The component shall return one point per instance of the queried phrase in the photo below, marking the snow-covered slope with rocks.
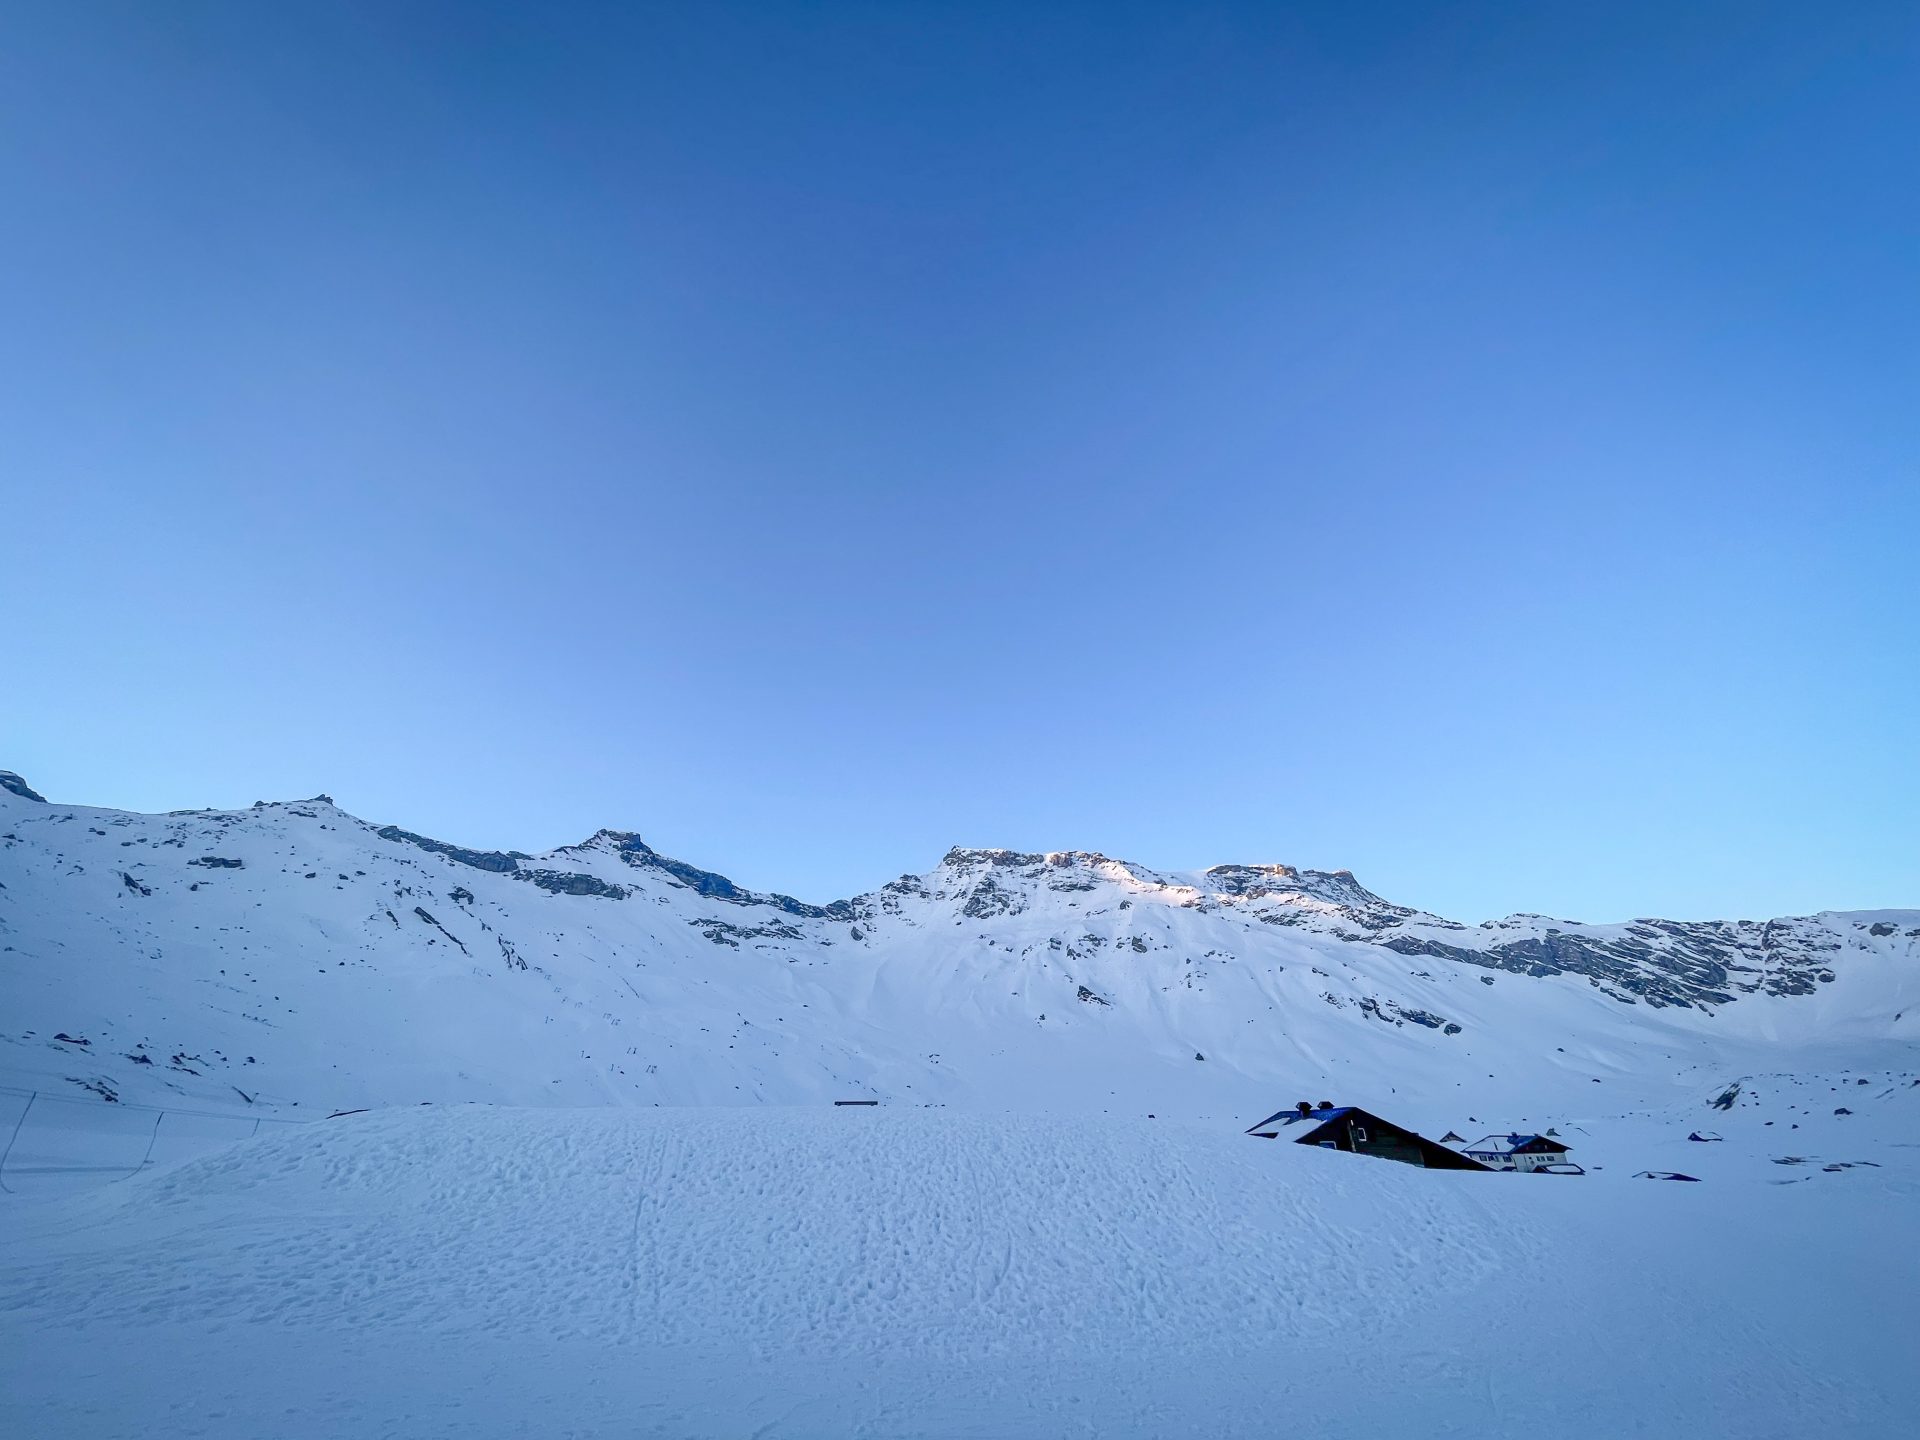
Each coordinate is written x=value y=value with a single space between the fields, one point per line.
x=290 y=957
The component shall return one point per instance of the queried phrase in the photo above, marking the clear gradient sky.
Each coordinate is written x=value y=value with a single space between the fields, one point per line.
x=1477 y=446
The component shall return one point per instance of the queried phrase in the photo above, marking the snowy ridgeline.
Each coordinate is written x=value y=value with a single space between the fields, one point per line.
x=478 y=1272
x=291 y=959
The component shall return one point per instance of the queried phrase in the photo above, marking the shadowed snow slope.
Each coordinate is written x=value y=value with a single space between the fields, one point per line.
x=479 y=1272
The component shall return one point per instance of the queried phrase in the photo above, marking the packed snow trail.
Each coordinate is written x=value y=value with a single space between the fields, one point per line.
x=480 y=1272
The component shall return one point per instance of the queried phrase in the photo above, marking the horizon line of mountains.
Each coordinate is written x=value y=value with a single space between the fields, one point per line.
x=1658 y=961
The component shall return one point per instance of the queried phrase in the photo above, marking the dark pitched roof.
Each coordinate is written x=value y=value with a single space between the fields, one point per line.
x=1294 y=1117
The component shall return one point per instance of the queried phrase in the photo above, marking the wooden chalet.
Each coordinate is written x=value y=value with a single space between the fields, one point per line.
x=1359 y=1132
x=1518 y=1152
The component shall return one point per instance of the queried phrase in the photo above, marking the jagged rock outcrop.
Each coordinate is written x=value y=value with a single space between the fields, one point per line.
x=13 y=784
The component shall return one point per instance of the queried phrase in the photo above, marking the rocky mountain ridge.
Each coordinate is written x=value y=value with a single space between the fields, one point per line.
x=294 y=954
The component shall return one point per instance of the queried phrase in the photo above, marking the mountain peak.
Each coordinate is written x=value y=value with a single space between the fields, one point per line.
x=1336 y=887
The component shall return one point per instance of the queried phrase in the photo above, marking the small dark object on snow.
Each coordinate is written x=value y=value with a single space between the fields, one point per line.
x=1842 y=1110
x=1704 y=1136
x=1666 y=1175
x=856 y=1102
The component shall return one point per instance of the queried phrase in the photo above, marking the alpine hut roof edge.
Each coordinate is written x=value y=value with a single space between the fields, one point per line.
x=1361 y=1132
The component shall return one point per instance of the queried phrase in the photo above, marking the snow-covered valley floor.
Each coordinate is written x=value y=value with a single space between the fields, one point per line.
x=469 y=1271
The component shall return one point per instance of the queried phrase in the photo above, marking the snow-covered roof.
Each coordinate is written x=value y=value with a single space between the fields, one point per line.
x=1294 y=1117
x=1508 y=1144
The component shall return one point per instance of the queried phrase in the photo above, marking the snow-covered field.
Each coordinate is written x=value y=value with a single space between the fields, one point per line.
x=817 y=1272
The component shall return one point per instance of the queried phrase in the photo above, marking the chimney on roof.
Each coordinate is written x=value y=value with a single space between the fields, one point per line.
x=1326 y=1104
x=1305 y=1107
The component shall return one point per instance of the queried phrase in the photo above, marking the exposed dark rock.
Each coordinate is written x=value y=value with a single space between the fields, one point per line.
x=441 y=928
x=218 y=862
x=12 y=782
x=721 y=933
x=1294 y=887
x=501 y=863
x=637 y=853
x=989 y=899
x=561 y=882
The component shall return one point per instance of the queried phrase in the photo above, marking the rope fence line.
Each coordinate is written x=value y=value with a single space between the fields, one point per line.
x=53 y=1099
x=159 y=1113
x=13 y=1137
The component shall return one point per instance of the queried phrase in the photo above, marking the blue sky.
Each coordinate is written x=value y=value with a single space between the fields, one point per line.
x=1474 y=446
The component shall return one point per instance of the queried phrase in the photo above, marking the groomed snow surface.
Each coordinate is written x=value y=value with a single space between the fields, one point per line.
x=475 y=1272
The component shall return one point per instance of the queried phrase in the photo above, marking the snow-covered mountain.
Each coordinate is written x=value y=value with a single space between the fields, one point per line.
x=291 y=955
x=749 y=1259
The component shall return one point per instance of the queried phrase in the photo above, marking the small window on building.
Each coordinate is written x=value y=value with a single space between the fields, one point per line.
x=1360 y=1133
